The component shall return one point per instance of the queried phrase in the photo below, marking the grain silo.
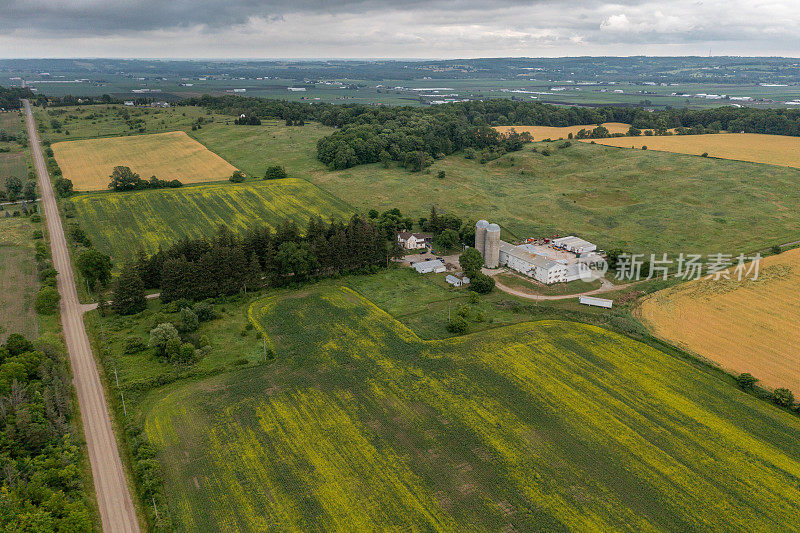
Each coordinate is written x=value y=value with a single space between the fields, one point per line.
x=491 y=255
x=480 y=236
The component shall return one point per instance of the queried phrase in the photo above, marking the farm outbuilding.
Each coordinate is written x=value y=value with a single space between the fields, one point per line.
x=426 y=267
x=455 y=281
x=576 y=245
x=536 y=266
x=596 y=302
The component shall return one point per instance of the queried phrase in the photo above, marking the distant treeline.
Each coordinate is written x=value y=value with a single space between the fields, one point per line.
x=416 y=136
x=195 y=269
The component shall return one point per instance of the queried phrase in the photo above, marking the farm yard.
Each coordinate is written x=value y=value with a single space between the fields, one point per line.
x=745 y=326
x=556 y=425
x=122 y=223
x=778 y=150
x=168 y=156
x=541 y=133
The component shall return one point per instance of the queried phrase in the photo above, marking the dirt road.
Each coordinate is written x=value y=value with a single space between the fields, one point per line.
x=606 y=286
x=113 y=497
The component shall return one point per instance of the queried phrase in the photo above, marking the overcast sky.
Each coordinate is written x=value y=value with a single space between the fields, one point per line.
x=396 y=28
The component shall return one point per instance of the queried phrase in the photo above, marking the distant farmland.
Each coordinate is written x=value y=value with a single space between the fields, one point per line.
x=779 y=150
x=168 y=156
x=121 y=223
x=360 y=425
x=541 y=133
x=747 y=326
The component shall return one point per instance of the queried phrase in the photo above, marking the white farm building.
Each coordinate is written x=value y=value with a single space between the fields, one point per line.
x=536 y=266
x=426 y=267
x=576 y=245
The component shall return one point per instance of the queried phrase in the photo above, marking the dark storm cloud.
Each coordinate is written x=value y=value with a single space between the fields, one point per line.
x=103 y=16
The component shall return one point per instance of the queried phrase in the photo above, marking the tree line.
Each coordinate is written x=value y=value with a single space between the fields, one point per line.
x=11 y=97
x=194 y=269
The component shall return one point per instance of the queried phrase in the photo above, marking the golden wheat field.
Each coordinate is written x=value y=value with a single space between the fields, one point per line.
x=168 y=156
x=780 y=150
x=747 y=326
x=541 y=133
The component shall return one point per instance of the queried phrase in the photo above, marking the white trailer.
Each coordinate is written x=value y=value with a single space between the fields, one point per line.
x=596 y=302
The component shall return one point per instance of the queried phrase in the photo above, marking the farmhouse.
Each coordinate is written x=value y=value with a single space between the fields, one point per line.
x=536 y=266
x=413 y=241
x=426 y=267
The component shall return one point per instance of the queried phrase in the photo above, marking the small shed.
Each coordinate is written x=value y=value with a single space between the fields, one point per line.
x=426 y=267
x=596 y=302
x=455 y=281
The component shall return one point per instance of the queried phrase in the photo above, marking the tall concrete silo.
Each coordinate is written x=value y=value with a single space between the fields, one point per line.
x=491 y=255
x=480 y=236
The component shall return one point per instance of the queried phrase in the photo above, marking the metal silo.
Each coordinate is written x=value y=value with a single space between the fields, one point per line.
x=491 y=255
x=480 y=236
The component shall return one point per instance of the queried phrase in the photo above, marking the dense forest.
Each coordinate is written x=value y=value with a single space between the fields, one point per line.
x=195 y=269
x=42 y=484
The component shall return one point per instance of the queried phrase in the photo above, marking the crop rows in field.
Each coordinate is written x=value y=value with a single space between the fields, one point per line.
x=121 y=223
x=745 y=326
x=553 y=425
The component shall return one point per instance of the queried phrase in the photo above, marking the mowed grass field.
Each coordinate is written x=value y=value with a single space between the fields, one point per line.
x=122 y=223
x=648 y=202
x=745 y=326
x=778 y=150
x=541 y=133
x=168 y=156
x=360 y=425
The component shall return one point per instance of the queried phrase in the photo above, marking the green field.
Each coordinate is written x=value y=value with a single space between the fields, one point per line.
x=93 y=121
x=18 y=280
x=122 y=223
x=547 y=426
x=641 y=201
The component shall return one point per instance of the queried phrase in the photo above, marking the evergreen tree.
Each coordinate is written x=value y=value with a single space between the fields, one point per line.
x=129 y=297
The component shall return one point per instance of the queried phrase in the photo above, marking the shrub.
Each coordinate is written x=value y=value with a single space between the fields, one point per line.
x=37 y=234
x=133 y=345
x=275 y=172
x=481 y=283
x=47 y=301
x=474 y=298
x=161 y=334
x=705 y=154
x=36 y=218
x=783 y=397
x=204 y=311
x=237 y=176
x=458 y=325
x=775 y=249
x=644 y=147
x=441 y=174
x=189 y=321
x=746 y=381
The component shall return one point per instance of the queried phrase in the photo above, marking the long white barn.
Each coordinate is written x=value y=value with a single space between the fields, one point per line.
x=538 y=267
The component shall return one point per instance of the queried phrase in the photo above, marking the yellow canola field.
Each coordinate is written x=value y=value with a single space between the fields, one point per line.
x=748 y=326
x=780 y=150
x=541 y=133
x=173 y=155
